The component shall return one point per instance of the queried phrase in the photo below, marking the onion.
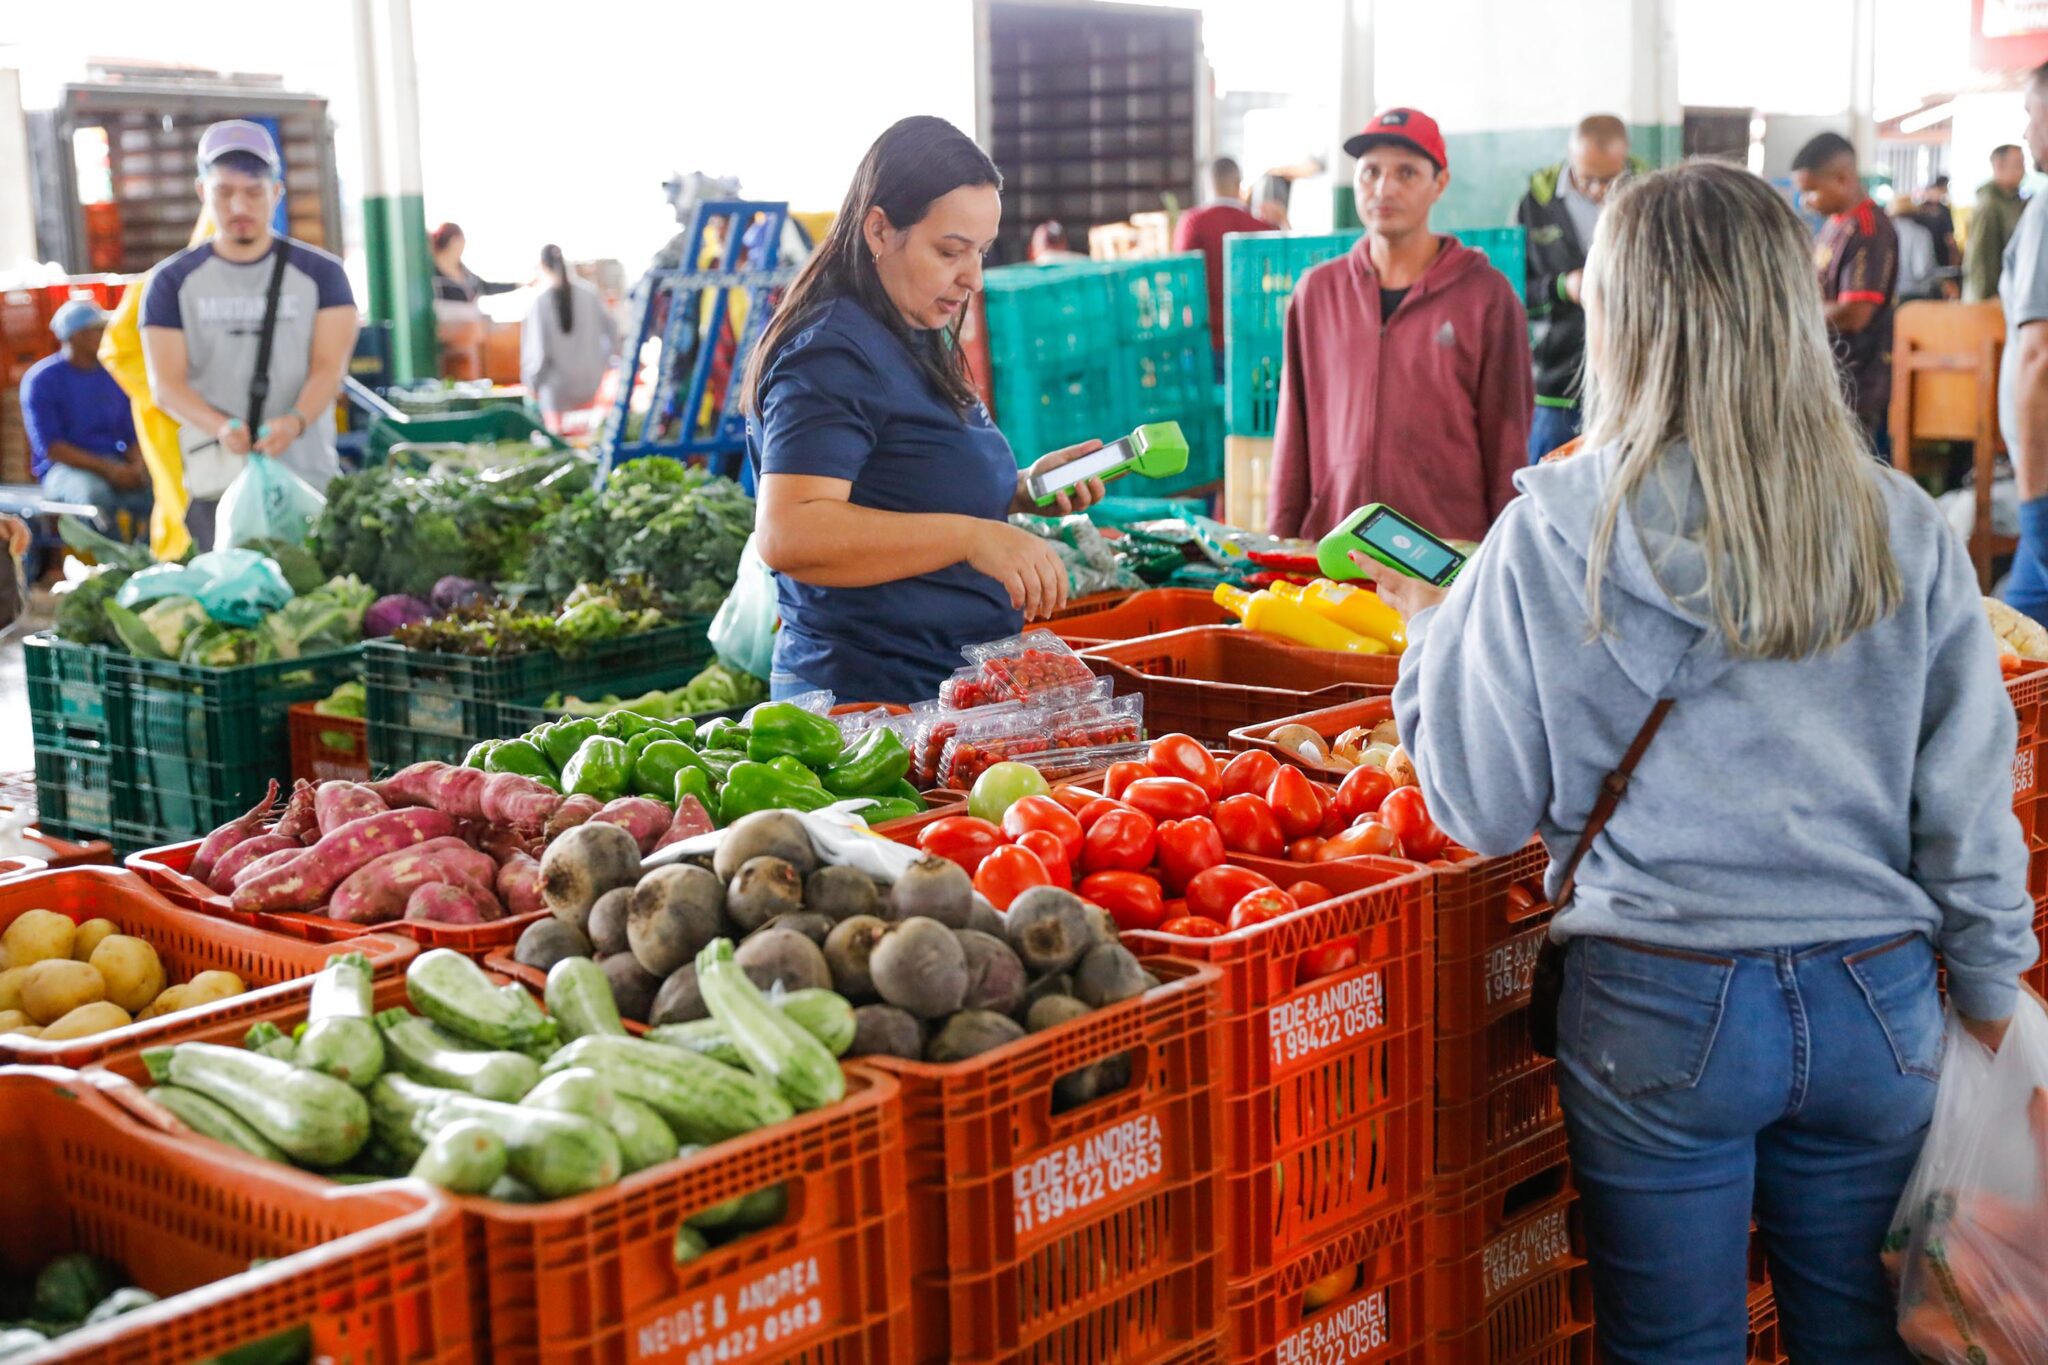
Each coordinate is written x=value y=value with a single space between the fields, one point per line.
x=1376 y=756
x=1302 y=742
x=1386 y=732
x=1402 y=769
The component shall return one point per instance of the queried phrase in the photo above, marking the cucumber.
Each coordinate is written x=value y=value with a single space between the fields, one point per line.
x=210 y=1119
x=824 y=1015
x=645 y=1139
x=397 y=1106
x=316 y=1120
x=580 y=999
x=761 y=1208
x=266 y=1039
x=776 y=1048
x=702 y=1100
x=718 y=1215
x=454 y=992
x=510 y=1191
x=573 y=1090
x=340 y=1041
x=690 y=1244
x=557 y=1154
x=427 y=1053
x=465 y=1157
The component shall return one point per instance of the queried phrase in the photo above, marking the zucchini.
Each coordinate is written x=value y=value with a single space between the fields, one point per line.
x=123 y=1300
x=209 y=1118
x=427 y=1053
x=397 y=1106
x=316 y=1120
x=579 y=997
x=825 y=1015
x=718 y=1215
x=510 y=1191
x=266 y=1039
x=645 y=1139
x=340 y=1041
x=465 y=1157
x=702 y=1100
x=557 y=1154
x=690 y=1244
x=573 y=1090
x=776 y=1048
x=454 y=992
x=761 y=1208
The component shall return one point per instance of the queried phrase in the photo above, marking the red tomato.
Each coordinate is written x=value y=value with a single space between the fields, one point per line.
x=1305 y=850
x=1249 y=826
x=1187 y=848
x=1407 y=815
x=1266 y=903
x=1308 y=893
x=1176 y=907
x=1369 y=837
x=1216 y=892
x=1131 y=898
x=1295 y=803
x=1250 y=773
x=1167 y=798
x=1074 y=799
x=1096 y=809
x=1180 y=756
x=1361 y=792
x=1193 y=926
x=1333 y=820
x=1058 y=864
x=1044 y=813
x=1121 y=840
x=962 y=839
x=1121 y=775
x=1007 y=873
x=1328 y=960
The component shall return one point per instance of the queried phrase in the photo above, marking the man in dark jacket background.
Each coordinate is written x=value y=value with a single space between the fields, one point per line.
x=1558 y=213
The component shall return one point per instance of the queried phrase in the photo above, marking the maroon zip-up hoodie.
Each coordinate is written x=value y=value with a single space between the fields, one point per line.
x=1429 y=416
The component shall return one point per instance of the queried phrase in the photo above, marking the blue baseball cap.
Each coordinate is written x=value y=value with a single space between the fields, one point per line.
x=238 y=135
x=75 y=317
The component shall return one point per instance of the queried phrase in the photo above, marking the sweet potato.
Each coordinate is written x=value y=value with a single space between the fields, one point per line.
x=640 y=816
x=573 y=811
x=410 y=786
x=453 y=903
x=519 y=801
x=379 y=890
x=446 y=788
x=241 y=855
x=690 y=821
x=215 y=845
x=518 y=885
x=337 y=803
x=256 y=867
x=502 y=842
x=299 y=819
x=307 y=880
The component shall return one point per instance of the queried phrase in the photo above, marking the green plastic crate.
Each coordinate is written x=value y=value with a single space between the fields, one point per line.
x=195 y=747
x=1159 y=297
x=1043 y=411
x=498 y=423
x=1260 y=272
x=67 y=691
x=74 y=800
x=1045 y=317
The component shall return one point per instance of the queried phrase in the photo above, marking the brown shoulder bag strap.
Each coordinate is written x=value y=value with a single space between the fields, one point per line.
x=1612 y=788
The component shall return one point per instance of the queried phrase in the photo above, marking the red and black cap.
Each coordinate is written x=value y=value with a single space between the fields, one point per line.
x=1410 y=128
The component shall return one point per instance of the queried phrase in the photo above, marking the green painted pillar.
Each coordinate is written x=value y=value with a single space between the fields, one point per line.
x=401 y=270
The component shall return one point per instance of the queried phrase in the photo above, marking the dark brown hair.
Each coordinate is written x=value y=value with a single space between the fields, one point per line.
x=565 y=302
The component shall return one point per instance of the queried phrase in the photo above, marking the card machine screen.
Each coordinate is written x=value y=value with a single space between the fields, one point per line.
x=1104 y=461
x=1425 y=556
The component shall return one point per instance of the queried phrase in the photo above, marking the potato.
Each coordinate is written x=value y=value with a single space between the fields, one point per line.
x=10 y=1020
x=37 y=936
x=133 y=974
x=208 y=987
x=56 y=986
x=87 y=1020
x=171 y=998
x=10 y=987
x=29 y=1031
x=89 y=936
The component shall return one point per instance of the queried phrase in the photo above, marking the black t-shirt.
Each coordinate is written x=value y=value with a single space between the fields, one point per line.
x=1390 y=299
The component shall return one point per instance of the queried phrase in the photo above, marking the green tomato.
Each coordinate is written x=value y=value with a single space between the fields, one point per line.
x=1002 y=787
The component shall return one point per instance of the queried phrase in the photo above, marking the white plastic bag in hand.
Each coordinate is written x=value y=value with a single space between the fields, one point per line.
x=1968 y=1248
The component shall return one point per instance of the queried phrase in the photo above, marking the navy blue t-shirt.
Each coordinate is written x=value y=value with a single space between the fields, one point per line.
x=844 y=399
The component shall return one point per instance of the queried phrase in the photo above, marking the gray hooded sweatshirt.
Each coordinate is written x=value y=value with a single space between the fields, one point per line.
x=1861 y=792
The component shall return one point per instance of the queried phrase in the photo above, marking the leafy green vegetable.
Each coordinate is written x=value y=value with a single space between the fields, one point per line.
x=327 y=618
x=81 y=607
x=300 y=569
x=214 y=645
x=680 y=526
x=350 y=700
x=717 y=688
x=158 y=631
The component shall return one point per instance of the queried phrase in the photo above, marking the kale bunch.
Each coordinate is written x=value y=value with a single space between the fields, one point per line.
x=680 y=527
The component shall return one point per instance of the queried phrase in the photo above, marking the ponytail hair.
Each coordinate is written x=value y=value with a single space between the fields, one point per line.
x=552 y=262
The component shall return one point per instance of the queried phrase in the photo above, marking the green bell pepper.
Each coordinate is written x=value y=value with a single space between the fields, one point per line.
x=624 y=724
x=871 y=767
x=523 y=757
x=695 y=782
x=655 y=767
x=903 y=791
x=600 y=768
x=719 y=763
x=782 y=730
x=561 y=740
x=887 y=808
x=480 y=753
x=684 y=729
x=723 y=733
x=789 y=767
x=756 y=786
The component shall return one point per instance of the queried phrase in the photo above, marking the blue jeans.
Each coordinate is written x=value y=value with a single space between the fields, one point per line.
x=2026 y=589
x=68 y=483
x=1550 y=428
x=1795 y=1084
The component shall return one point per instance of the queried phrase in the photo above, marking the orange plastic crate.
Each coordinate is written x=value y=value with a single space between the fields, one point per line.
x=375 y=1272
x=64 y=853
x=16 y=867
x=1329 y=722
x=1089 y=605
x=2029 y=693
x=326 y=748
x=1485 y=946
x=1380 y=1320
x=1151 y=612
x=1210 y=680
x=275 y=968
x=592 y=1280
x=1547 y=1322
x=1088 y=1235
x=164 y=868
x=1765 y=1347
x=1325 y=1081
x=1486 y=1242
x=1509 y=1094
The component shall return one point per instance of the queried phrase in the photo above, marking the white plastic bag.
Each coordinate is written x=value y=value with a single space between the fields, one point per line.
x=1968 y=1248
x=266 y=502
x=743 y=632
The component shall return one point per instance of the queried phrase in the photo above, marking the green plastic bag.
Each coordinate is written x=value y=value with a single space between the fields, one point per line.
x=743 y=632
x=235 y=587
x=266 y=502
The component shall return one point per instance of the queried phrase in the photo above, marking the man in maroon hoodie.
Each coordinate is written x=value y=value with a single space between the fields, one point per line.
x=1406 y=377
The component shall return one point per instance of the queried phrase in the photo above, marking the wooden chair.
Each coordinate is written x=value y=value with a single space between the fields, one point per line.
x=1945 y=388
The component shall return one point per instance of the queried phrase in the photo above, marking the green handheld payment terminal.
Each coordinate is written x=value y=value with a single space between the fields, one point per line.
x=1156 y=450
x=1394 y=541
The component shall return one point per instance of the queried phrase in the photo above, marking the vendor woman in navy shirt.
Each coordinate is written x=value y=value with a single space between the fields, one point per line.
x=884 y=487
